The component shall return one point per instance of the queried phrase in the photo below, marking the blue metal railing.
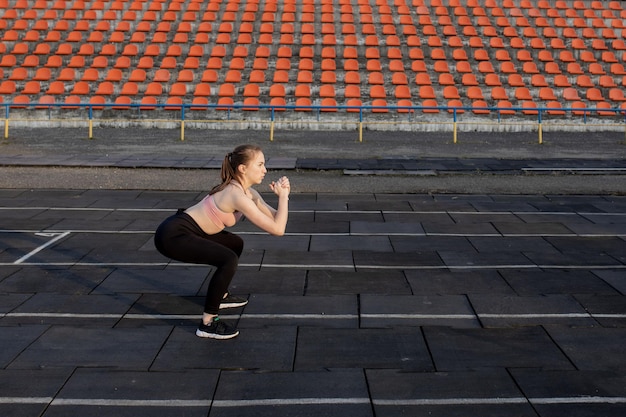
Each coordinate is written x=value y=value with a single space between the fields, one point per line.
x=538 y=112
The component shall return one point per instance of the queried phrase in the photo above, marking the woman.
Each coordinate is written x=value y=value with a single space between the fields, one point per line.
x=197 y=235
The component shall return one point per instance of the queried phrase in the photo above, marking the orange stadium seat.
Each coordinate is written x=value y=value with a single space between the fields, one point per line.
x=596 y=69
x=168 y=62
x=232 y=76
x=327 y=90
x=41 y=49
x=430 y=106
x=106 y=88
x=523 y=93
x=251 y=90
x=451 y=92
x=226 y=90
x=42 y=74
x=547 y=94
x=18 y=74
x=480 y=107
x=178 y=89
x=604 y=105
x=154 y=89
x=538 y=80
x=528 y=107
x=469 y=79
x=561 y=81
x=508 y=67
x=554 y=108
x=399 y=78
x=584 y=81
x=20 y=102
x=617 y=69
x=7 y=87
x=425 y=92
x=202 y=90
x=8 y=61
x=552 y=68
x=570 y=94
x=148 y=103
x=209 y=76
x=130 y=89
x=606 y=81
x=492 y=80
x=162 y=76
x=137 y=75
x=594 y=94
x=44 y=102
x=475 y=93
x=90 y=74
x=499 y=93
x=278 y=90
x=376 y=78
x=444 y=79
x=281 y=76
x=617 y=94
x=455 y=106
x=71 y=102
x=185 y=75
x=505 y=107
x=374 y=65
x=352 y=91
x=81 y=88
x=122 y=103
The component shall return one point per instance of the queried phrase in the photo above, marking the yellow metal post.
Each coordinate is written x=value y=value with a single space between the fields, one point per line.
x=6 y=128
x=182 y=130
x=454 y=133
x=360 y=131
x=540 y=133
x=272 y=131
x=90 y=129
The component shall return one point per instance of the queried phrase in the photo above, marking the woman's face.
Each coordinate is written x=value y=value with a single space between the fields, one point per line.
x=254 y=171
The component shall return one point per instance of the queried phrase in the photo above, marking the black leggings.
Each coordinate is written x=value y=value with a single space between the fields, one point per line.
x=180 y=238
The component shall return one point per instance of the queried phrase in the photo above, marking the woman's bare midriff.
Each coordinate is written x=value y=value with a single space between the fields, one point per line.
x=198 y=214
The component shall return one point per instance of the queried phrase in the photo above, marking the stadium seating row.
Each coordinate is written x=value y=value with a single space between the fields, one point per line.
x=351 y=52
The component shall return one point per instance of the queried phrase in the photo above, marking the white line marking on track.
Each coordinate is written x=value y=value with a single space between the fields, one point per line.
x=42 y=247
x=105 y=402
x=65 y=315
x=26 y=400
x=451 y=401
x=315 y=316
x=273 y=402
x=359 y=234
x=495 y=401
x=313 y=210
x=289 y=401
x=579 y=400
x=536 y=316
x=420 y=316
x=318 y=266
x=582 y=169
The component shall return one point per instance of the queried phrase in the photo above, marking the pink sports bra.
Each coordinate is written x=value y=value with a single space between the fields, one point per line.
x=217 y=216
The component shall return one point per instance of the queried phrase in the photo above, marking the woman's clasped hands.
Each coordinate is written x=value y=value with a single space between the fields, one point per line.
x=281 y=186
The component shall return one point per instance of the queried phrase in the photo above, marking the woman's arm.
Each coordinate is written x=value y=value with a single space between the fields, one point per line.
x=262 y=205
x=273 y=221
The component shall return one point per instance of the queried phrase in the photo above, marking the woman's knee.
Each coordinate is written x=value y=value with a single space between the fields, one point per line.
x=232 y=242
x=239 y=247
x=230 y=261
